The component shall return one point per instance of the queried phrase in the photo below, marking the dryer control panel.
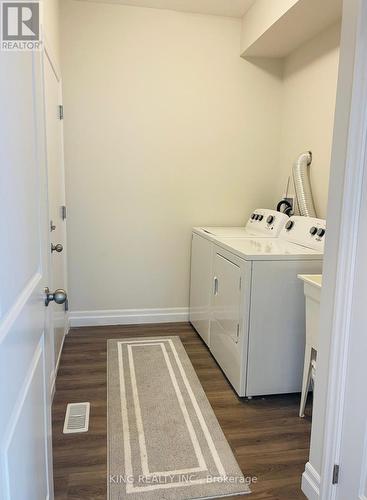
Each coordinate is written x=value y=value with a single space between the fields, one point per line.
x=306 y=231
x=269 y=222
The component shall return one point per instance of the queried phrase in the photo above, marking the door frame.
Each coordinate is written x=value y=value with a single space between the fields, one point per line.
x=348 y=166
x=48 y=55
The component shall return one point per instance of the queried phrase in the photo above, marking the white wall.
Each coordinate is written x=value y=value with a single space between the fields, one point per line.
x=166 y=127
x=309 y=93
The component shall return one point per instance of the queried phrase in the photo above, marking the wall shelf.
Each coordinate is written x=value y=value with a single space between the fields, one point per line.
x=287 y=29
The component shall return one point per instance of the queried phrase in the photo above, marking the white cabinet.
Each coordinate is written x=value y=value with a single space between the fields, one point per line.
x=201 y=286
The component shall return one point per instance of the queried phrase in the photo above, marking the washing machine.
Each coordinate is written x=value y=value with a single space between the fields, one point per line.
x=262 y=223
x=257 y=325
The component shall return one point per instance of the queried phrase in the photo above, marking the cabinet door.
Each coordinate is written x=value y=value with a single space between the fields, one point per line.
x=201 y=286
x=227 y=291
x=226 y=343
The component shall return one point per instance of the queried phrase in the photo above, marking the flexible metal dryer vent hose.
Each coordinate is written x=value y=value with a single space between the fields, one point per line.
x=302 y=185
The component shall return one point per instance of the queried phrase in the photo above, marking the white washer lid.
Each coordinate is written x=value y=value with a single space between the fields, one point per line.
x=230 y=232
x=267 y=249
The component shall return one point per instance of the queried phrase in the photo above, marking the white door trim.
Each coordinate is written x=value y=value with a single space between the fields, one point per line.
x=355 y=168
x=348 y=168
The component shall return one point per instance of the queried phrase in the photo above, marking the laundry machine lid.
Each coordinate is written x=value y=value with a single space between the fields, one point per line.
x=268 y=249
x=262 y=223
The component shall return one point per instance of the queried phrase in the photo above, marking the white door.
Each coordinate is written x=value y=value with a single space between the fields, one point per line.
x=353 y=454
x=56 y=197
x=25 y=416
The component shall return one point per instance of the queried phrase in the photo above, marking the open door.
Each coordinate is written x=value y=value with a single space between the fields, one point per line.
x=56 y=200
x=25 y=360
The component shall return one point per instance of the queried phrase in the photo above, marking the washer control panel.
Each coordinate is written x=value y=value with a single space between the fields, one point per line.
x=306 y=231
x=267 y=221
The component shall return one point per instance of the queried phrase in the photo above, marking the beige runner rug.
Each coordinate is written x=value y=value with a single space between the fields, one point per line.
x=164 y=441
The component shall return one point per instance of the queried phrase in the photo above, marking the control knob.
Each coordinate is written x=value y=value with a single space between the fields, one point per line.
x=289 y=225
x=313 y=231
x=270 y=219
x=321 y=232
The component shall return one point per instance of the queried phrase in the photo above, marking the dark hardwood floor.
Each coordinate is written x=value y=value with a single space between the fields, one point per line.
x=266 y=435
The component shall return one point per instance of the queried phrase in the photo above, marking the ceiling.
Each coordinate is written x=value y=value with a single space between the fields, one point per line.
x=230 y=8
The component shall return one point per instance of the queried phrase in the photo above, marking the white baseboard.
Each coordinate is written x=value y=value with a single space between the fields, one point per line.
x=67 y=325
x=54 y=373
x=311 y=482
x=128 y=316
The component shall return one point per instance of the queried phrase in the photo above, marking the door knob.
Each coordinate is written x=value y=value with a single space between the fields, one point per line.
x=59 y=296
x=56 y=248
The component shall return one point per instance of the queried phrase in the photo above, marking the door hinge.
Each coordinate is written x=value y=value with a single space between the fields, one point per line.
x=240 y=283
x=335 y=479
x=66 y=305
x=61 y=112
x=238 y=331
x=63 y=212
